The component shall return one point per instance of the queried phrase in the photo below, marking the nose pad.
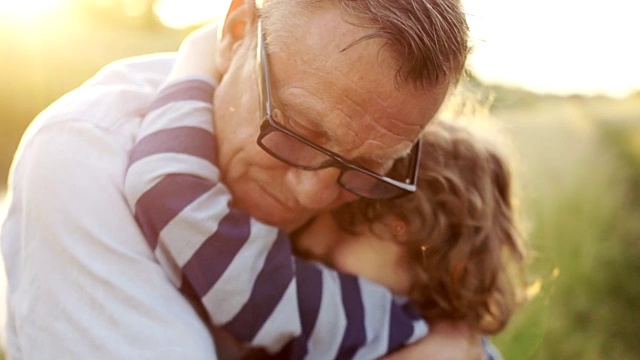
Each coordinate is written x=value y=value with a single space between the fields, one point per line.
x=316 y=189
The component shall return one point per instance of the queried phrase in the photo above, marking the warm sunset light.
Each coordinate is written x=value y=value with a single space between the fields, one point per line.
x=555 y=46
x=26 y=9
x=183 y=13
x=553 y=111
x=550 y=46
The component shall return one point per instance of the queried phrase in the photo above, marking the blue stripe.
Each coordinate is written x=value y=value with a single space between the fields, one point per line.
x=309 y=284
x=309 y=287
x=165 y=200
x=188 y=140
x=355 y=335
x=401 y=325
x=197 y=90
x=210 y=261
x=412 y=311
x=269 y=288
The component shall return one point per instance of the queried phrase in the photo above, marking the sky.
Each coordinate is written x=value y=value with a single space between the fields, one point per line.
x=558 y=46
x=551 y=46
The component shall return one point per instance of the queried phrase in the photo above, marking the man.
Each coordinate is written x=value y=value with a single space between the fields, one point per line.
x=82 y=280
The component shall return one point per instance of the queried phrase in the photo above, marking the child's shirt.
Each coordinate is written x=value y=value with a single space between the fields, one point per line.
x=241 y=270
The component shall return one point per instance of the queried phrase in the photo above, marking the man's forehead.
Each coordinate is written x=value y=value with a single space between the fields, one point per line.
x=351 y=95
x=357 y=126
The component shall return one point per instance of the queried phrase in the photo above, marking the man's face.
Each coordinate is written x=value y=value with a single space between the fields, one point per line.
x=346 y=101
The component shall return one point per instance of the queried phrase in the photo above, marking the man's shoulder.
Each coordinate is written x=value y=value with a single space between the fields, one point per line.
x=119 y=91
x=144 y=70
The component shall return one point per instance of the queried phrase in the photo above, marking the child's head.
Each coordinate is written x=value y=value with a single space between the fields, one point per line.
x=452 y=246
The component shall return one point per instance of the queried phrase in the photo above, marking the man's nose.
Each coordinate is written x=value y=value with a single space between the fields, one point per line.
x=315 y=189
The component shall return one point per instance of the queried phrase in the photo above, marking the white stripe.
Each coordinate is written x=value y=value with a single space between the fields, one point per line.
x=377 y=316
x=284 y=321
x=331 y=323
x=148 y=171
x=420 y=330
x=173 y=271
x=491 y=350
x=186 y=232
x=178 y=114
x=233 y=289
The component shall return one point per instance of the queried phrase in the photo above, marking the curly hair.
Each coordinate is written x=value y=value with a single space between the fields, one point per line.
x=466 y=253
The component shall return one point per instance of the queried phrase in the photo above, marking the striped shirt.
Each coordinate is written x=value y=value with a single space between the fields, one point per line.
x=241 y=270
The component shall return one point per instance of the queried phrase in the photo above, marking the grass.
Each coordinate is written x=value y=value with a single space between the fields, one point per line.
x=581 y=201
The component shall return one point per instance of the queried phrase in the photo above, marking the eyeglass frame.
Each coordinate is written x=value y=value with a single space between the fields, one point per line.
x=269 y=125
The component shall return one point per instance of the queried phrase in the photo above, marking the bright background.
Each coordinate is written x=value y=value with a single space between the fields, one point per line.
x=560 y=77
x=552 y=46
x=555 y=46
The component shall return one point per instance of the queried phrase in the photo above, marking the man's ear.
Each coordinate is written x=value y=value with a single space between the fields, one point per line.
x=237 y=25
x=231 y=24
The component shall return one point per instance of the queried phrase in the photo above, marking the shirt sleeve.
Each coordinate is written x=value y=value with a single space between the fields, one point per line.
x=242 y=270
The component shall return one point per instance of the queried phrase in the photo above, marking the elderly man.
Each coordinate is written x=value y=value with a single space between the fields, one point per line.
x=355 y=79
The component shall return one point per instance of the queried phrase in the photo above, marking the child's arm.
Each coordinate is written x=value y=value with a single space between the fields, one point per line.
x=242 y=270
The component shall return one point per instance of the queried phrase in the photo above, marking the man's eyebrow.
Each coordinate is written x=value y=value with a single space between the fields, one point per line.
x=313 y=126
x=301 y=119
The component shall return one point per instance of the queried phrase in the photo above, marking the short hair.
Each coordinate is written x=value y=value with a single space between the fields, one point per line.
x=429 y=38
x=466 y=252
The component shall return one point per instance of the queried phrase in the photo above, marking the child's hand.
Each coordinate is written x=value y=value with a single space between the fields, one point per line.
x=445 y=341
x=197 y=54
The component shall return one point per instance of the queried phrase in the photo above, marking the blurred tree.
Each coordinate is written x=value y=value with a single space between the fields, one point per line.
x=127 y=12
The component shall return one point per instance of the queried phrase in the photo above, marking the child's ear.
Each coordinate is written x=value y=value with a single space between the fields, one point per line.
x=238 y=25
x=397 y=228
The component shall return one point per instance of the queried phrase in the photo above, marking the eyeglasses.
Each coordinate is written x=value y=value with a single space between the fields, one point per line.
x=294 y=150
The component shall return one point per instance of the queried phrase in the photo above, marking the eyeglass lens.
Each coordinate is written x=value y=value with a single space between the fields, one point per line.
x=295 y=152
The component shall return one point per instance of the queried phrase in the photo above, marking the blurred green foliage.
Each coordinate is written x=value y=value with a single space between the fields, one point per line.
x=579 y=173
x=579 y=168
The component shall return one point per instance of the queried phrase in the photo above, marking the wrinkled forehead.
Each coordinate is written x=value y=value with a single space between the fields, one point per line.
x=329 y=80
x=353 y=99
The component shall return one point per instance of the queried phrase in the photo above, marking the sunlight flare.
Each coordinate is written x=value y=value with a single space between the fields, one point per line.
x=534 y=289
x=27 y=9
x=185 y=13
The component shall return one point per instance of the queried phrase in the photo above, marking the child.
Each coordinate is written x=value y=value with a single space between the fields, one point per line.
x=452 y=246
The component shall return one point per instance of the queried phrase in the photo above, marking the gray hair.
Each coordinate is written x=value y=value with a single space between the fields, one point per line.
x=429 y=38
